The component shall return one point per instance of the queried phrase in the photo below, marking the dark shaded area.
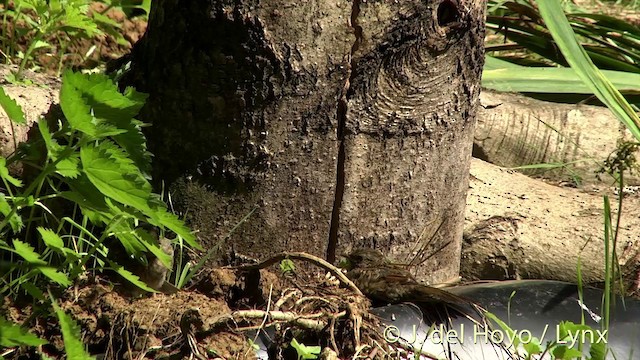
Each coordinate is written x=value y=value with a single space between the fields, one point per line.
x=205 y=78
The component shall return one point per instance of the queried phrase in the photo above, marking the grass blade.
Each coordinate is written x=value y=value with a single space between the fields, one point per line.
x=576 y=56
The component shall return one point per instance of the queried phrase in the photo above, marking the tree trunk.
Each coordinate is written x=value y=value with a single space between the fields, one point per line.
x=334 y=123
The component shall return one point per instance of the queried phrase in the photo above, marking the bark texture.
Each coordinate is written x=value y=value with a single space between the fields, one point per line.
x=334 y=123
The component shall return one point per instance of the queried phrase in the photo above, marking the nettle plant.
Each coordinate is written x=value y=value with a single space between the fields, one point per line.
x=32 y=26
x=91 y=190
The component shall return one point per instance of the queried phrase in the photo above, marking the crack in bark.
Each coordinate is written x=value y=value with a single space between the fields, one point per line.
x=342 y=117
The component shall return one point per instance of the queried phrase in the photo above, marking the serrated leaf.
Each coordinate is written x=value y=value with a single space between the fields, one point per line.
x=532 y=347
x=51 y=239
x=85 y=194
x=33 y=290
x=77 y=19
x=52 y=146
x=105 y=20
x=12 y=335
x=129 y=276
x=54 y=275
x=76 y=111
x=69 y=167
x=91 y=201
x=564 y=352
x=125 y=234
x=4 y=173
x=598 y=350
x=166 y=219
x=104 y=97
x=15 y=221
x=109 y=170
x=152 y=244
x=11 y=107
x=73 y=346
x=104 y=130
x=27 y=252
x=134 y=143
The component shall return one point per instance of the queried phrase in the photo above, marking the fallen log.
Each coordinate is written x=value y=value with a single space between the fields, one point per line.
x=514 y=130
x=522 y=228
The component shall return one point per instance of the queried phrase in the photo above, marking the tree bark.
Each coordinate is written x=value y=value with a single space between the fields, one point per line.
x=334 y=123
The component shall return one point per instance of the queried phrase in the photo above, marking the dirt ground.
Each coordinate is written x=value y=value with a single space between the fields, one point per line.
x=215 y=319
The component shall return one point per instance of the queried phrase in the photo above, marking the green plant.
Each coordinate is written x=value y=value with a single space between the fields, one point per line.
x=38 y=21
x=73 y=346
x=531 y=38
x=129 y=7
x=13 y=335
x=304 y=351
x=90 y=190
x=52 y=25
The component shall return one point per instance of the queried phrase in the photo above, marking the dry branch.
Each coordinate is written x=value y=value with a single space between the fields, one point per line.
x=306 y=257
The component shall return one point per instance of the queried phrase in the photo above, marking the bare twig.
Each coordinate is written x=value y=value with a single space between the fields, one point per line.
x=332 y=334
x=306 y=257
x=305 y=321
x=288 y=294
x=264 y=319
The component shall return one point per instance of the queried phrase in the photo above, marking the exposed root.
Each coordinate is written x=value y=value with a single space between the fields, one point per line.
x=307 y=257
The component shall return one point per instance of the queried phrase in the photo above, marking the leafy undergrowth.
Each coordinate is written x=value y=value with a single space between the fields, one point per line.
x=51 y=35
x=217 y=318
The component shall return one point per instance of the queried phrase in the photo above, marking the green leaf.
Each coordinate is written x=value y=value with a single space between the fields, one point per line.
x=304 y=351
x=124 y=232
x=105 y=20
x=505 y=76
x=152 y=244
x=77 y=18
x=15 y=221
x=102 y=95
x=76 y=111
x=69 y=166
x=4 y=173
x=73 y=346
x=510 y=333
x=39 y=44
x=576 y=56
x=564 y=352
x=551 y=165
x=33 y=290
x=109 y=170
x=12 y=335
x=11 y=107
x=52 y=146
x=532 y=346
x=27 y=252
x=51 y=239
x=129 y=276
x=598 y=350
x=54 y=275
x=287 y=266
x=85 y=194
x=134 y=143
x=163 y=218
